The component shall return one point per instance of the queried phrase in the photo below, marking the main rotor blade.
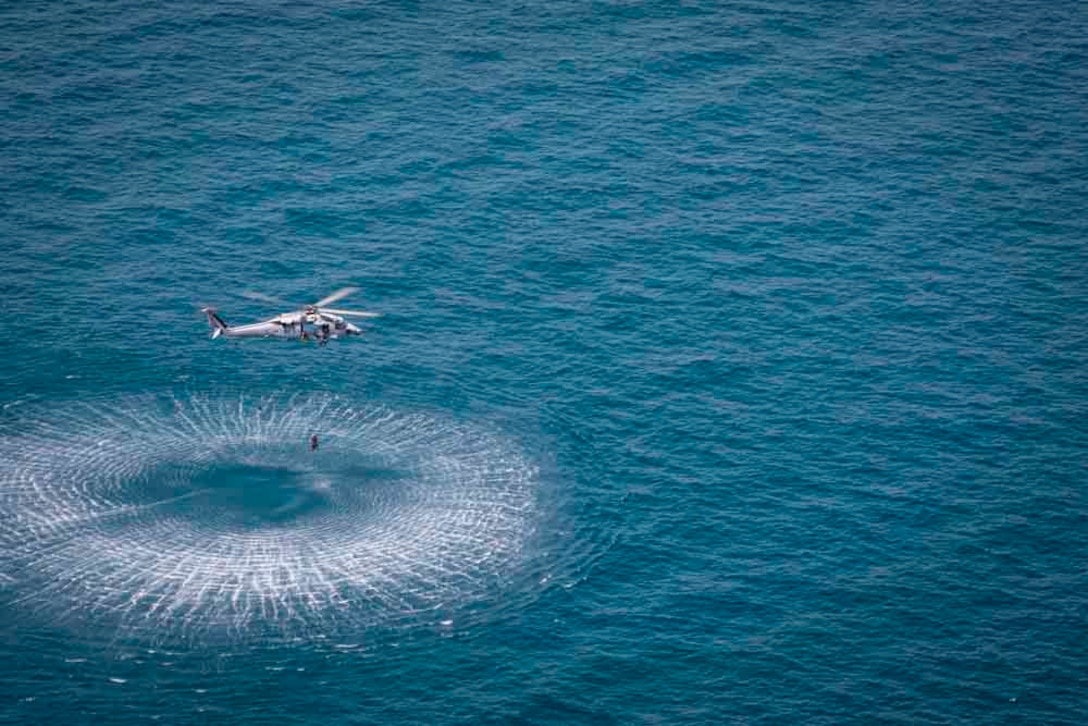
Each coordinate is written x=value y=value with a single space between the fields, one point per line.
x=264 y=298
x=356 y=313
x=338 y=295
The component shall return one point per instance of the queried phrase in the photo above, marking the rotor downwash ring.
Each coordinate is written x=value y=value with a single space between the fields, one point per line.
x=212 y=516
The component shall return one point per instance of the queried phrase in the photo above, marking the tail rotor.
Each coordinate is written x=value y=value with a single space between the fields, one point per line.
x=217 y=323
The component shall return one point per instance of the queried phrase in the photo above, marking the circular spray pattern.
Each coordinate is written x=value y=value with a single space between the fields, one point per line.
x=213 y=516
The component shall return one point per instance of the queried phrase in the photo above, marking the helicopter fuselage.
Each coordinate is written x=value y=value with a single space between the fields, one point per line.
x=310 y=322
x=298 y=326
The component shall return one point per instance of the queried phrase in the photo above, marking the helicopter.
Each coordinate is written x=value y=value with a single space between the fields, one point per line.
x=310 y=322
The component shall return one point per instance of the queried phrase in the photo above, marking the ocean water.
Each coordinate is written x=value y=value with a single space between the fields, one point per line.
x=731 y=366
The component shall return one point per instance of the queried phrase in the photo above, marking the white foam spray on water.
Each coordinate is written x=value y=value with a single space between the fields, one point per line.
x=211 y=516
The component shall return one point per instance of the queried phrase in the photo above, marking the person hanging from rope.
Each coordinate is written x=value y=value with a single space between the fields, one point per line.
x=313 y=442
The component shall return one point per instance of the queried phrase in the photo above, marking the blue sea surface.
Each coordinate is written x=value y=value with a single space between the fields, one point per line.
x=731 y=366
